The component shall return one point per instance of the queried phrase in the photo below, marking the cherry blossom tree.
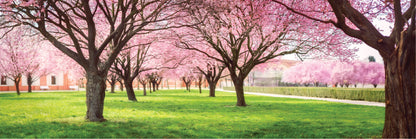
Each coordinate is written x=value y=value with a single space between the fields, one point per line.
x=213 y=73
x=23 y=56
x=84 y=30
x=302 y=73
x=358 y=20
x=187 y=80
x=112 y=80
x=335 y=72
x=199 y=80
x=129 y=64
x=375 y=74
x=244 y=34
x=342 y=74
x=143 y=80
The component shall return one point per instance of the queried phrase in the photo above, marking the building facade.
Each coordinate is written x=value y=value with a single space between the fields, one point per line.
x=59 y=81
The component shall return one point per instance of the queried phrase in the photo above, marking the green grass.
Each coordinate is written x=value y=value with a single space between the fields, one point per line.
x=367 y=94
x=176 y=113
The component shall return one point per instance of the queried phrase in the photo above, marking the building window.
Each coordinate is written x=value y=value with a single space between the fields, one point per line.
x=3 y=80
x=53 y=80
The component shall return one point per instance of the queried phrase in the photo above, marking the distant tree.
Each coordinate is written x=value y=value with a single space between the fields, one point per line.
x=371 y=59
x=212 y=73
x=143 y=80
x=187 y=80
x=18 y=58
x=112 y=79
x=199 y=81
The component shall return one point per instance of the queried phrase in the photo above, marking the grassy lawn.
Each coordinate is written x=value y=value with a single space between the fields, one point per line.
x=176 y=113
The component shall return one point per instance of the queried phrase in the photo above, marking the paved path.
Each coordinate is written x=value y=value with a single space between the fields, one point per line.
x=367 y=103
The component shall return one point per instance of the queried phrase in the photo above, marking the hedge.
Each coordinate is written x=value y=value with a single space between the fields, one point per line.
x=366 y=94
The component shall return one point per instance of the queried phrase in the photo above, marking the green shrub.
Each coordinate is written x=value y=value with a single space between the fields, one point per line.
x=366 y=94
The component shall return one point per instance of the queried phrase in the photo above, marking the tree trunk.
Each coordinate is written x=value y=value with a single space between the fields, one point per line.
x=144 y=89
x=130 y=90
x=400 y=92
x=150 y=87
x=154 y=87
x=138 y=84
x=212 y=89
x=16 y=84
x=375 y=85
x=189 y=87
x=29 y=83
x=239 y=90
x=200 y=91
x=121 y=86
x=95 y=96
x=112 y=88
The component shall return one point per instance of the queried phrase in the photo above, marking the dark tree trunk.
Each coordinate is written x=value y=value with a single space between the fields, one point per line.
x=186 y=86
x=400 y=92
x=95 y=96
x=144 y=89
x=138 y=84
x=150 y=87
x=375 y=85
x=16 y=84
x=199 y=86
x=29 y=83
x=212 y=87
x=112 y=87
x=121 y=86
x=355 y=85
x=239 y=90
x=130 y=91
x=154 y=86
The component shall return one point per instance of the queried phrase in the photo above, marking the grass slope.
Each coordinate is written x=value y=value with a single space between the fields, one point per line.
x=176 y=113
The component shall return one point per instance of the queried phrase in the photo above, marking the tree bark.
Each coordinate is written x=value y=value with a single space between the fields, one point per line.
x=121 y=85
x=144 y=89
x=112 y=87
x=95 y=96
x=150 y=87
x=199 y=86
x=16 y=84
x=130 y=91
x=400 y=92
x=212 y=87
x=239 y=90
x=29 y=83
x=154 y=86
